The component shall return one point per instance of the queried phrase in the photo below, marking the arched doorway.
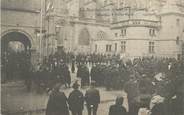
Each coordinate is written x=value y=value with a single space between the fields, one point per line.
x=15 y=55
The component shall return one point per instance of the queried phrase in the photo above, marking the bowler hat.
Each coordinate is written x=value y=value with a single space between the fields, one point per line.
x=76 y=85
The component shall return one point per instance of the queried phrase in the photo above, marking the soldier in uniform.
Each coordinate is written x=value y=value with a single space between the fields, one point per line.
x=67 y=77
x=97 y=74
x=94 y=73
x=108 y=78
x=123 y=73
x=83 y=73
x=76 y=100
x=116 y=81
x=92 y=98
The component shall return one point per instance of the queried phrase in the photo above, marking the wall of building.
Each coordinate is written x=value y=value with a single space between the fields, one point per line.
x=168 y=48
x=73 y=7
x=171 y=35
x=92 y=28
x=99 y=46
x=171 y=28
x=137 y=40
x=90 y=10
x=20 y=20
x=21 y=4
x=22 y=16
x=136 y=48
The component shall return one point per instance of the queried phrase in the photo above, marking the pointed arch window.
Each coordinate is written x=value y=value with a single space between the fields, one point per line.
x=84 y=37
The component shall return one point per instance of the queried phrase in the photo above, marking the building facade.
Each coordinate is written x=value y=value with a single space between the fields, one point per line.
x=130 y=28
x=20 y=21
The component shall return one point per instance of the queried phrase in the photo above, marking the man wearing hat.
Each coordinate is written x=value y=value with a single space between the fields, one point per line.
x=57 y=103
x=145 y=85
x=92 y=98
x=76 y=100
x=131 y=88
x=117 y=108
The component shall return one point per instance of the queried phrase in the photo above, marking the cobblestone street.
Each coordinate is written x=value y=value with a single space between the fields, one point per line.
x=15 y=99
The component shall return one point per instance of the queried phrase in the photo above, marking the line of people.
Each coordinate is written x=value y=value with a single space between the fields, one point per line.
x=82 y=58
x=59 y=104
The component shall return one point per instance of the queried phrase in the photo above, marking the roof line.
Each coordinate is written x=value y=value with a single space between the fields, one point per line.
x=20 y=10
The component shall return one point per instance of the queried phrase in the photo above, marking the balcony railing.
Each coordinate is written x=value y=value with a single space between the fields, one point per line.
x=136 y=22
x=89 y=20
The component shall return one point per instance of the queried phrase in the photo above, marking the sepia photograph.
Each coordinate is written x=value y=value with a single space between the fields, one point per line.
x=92 y=57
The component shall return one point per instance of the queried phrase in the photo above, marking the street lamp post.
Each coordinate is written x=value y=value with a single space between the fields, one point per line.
x=57 y=30
x=41 y=25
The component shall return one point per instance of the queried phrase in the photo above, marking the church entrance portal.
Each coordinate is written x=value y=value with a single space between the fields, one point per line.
x=15 y=55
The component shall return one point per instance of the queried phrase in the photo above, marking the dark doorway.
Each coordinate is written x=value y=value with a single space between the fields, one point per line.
x=15 y=55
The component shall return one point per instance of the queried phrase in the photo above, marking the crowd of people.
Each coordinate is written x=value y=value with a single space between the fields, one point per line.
x=51 y=71
x=144 y=78
x=147 y=81
x=59 y=104
x=14 y=65
x=96 y=58
x=56 y=69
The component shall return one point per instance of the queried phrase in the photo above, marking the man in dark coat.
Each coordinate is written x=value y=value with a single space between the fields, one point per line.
x=73 y=66
x=108 y=78
x=145 y=85
x=57 y=103
x=76 y=100
x=117 y=108
x=92 y=98
x=66 y=74
x=131 y=88
x=158 y=109
x=94 y=73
